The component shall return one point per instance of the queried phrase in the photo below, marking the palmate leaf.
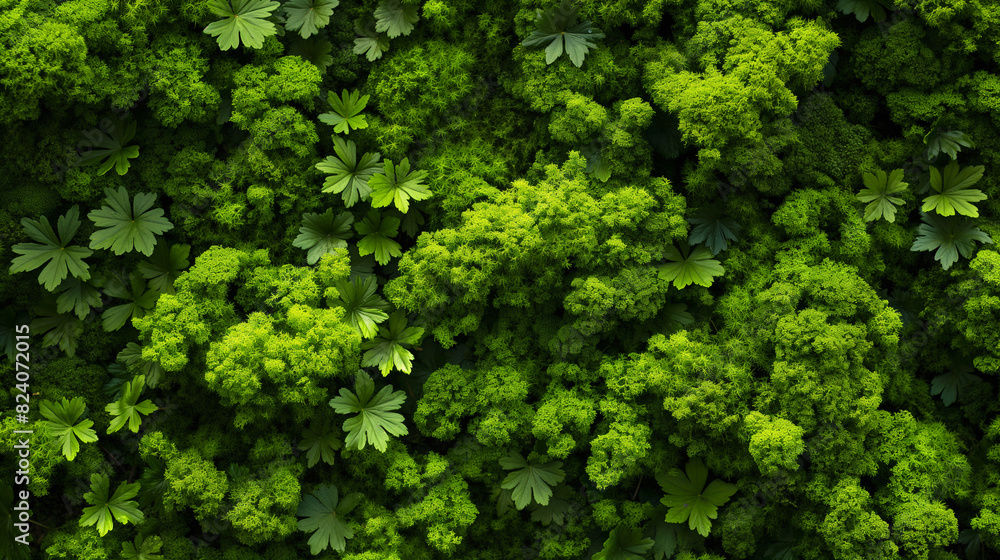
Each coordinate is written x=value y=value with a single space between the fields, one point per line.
x=127 y=226
x=527 y=481
x=165 y=266
x=52 y=250
x=141 y=301
x=103 y=511
x=153 y=483
x=942 y=138
x=131 y=356
x=370 y=43
x=345 y=114
x=143 y=549
x=347 y=173
x=63 y=421
x=698 y=268
x=374 y=422
x=78 y=296
x=664 y=534
x=624 y=543
x=377 y=237
x=246 y=22
x=308 y=16
x=878 y=194
x=953 y=192
x=712 y=229
x=387 y=349
x=396 y=185
x=948 y=384
x=365 y=309
x=128 y=408
x=557 y=508
x=112 y=149
x=862 y=8
x=950 y=236
x=324 y=518
x=62 y=329
x=559 y=29
x=395 y=19
x=320 y=441
x=323 y=233
x=688 y=498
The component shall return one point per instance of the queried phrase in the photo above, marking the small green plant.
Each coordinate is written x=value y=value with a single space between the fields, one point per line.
x=374 y=421
x=559 y=30
x=324 y=518
x=879 y=194
x=245 y=22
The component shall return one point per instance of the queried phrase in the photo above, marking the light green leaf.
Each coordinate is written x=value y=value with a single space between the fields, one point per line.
x=878 y=194
x=370 y=43
x=346 y=112
x=365 y=309
x=347 y=174
x=65 y=424
x=530 y=480
x=246 y=22
x=323 y=233
x=699 y=267
x=103 y=511
x=308 y=16
x=688 y=498
x=128 y=408
x=953 y=192
x=396 y=185
x=394 y=18
x=127 y=226
x=52 y=250
x=387 y=350
x=374 y=422
x=377 y=232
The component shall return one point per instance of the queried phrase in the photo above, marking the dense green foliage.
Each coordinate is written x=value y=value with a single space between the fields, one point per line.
x=397 y=280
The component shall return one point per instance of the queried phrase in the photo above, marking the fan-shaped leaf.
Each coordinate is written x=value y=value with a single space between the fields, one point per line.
x=103 y=511
x=52 y=250
x=323 y=514
x=699 y=267
x=387 y=349
x=624 y=544
x=396 y=185
x=323 y=233
x=712 y=229
x=320 y=441
x=347 y=174
x=688 y=498
x=346 y=112
x=365 y=309
x=950 y=236
x=394 y=18
x=953 y=192
x=64 y=423
x=878 y=194
x=378 y=233
x=529 y=481
x=559 y=30
x=127 y=226
x=308 y=16
x=246 y=22
x=128 y=408
x=374 y=422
